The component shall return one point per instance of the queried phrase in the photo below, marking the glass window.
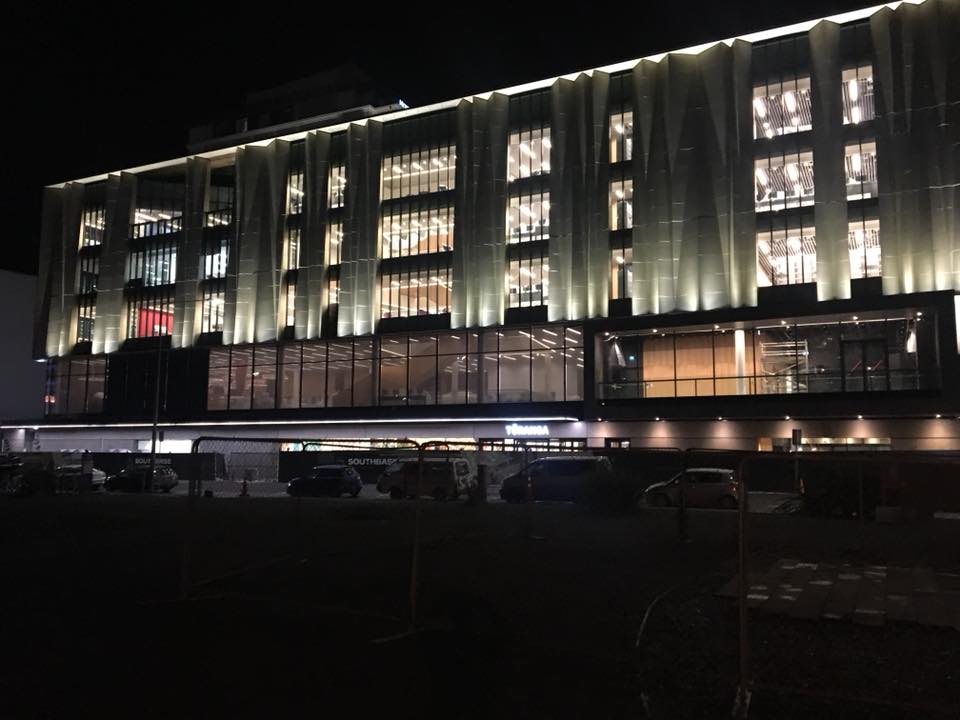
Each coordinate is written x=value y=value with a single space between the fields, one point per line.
x=621 y=204
x=241 y=364
x=858 y=95
x=528 y=217
x=621 y=272
x=420 y=291
x=414 y=172
x=290 y=303
x=86 y=319
x=265 y=377
x=211 y=315
x=336 y=185
x=313 y=386
x=528 y=153
x=786 y=256
x=153 y=265
x=405 y=230
x=217 y=378
x=292 y=245
x=781 y=108
x=621 y=136
x=784 y=181
x=290 y=376
x=528 y=280
x=334 y=242
x=333 y=291
x=149 y=318
x=92 y=224
x=295 y=192
x=864 y=244
x=861 y=167
x=215 y=258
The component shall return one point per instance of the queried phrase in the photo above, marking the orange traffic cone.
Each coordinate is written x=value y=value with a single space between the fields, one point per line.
x=244 y=490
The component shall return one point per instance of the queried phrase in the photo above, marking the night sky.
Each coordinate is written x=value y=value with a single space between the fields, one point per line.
x=95 y=87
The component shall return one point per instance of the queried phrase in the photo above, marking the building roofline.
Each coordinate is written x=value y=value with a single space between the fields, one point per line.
x=760 y=36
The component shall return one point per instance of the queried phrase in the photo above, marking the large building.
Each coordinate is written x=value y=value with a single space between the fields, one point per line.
x=709 y=247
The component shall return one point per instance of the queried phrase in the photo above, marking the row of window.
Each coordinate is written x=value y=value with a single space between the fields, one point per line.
x=540 y=364
x=831 y=354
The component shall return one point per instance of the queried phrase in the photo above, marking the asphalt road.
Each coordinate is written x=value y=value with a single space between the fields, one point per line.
x=121 y=606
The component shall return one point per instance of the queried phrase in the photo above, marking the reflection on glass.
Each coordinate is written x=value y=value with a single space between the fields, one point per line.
x=528 y=279
x=528 y=218
x=864 y=245
x=621 y=204
x=858 y=95
x=621 y=136
x=860 y=161
x=621 y=273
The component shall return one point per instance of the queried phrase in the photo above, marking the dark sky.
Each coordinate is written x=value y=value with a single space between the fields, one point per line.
x=92 y=87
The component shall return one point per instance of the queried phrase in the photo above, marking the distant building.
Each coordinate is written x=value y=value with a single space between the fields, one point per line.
x=711 y=247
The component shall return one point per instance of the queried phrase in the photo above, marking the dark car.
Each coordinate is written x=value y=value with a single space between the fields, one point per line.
x=327 y=481
x=135 y=479
x=570 y=479
x=443 y=478
x=704 y=487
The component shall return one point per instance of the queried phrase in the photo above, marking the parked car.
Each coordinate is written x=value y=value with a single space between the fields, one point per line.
x=135 y=479
x=443 y=478
x=571 y=479
x=705 y=488
x=327 y=480
x=71 y=478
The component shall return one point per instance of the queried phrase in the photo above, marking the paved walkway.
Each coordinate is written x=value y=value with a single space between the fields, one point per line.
x=868 y=595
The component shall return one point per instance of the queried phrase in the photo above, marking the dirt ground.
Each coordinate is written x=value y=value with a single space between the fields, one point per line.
x=153 y=607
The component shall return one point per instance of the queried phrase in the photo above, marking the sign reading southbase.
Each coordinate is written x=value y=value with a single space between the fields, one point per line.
x=518 y=430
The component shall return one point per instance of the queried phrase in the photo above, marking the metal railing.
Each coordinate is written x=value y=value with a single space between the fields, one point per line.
x=792 y=384
x=164 y=226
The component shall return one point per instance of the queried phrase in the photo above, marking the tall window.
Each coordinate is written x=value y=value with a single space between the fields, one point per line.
x=784 y=181
x=76 y=385
x=414 y=172
x=621 y=204
x=215 y=257
x=336 y=185
x=782 y=108
x=864 y=244
x=92 y=224
x=528 y=217
x=292 y=245
x=621 y=136
x=528 y=278
x=858 y=95
x=87 y=315
x=786 y=255
x=621 y=271
x=410 y=230
x=211 y=316
x=333 y=290
x=334 y=242
x=295 y=192
x=860 y=161
x=528 y=153
x=413 y=292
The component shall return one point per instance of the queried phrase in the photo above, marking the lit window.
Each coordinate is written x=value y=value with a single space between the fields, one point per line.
x=215 y=258
x=337 y=185
x=784 y=181
x=621 y=272
x=87 y=316
x=864 y=244
x=211 y=315
x=528 y=278
x=155 y=265
x=621 y=205
x=295 y=192
x=292 y=254
x=334 y=242
x=415 y=172
x=333 y=291
x=858 y=95
x=406 y=231
x=528 y=218
x=621 y=136
x=150 y=318
x=528 y=153
x=786 y=257
x=860 y=161
x=291 y=303
x=92 y=225
x=782 y=108
x=420 y=291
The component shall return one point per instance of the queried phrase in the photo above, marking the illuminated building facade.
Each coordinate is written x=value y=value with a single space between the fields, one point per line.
x=709 y=246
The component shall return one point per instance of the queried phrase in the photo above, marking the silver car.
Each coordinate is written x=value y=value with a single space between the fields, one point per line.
x=705 y=488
